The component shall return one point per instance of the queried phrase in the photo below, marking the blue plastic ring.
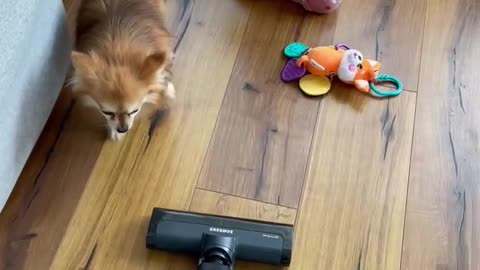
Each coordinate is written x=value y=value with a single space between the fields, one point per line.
x=386 y=78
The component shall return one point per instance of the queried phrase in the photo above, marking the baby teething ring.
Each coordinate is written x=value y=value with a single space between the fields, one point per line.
x=386 y=78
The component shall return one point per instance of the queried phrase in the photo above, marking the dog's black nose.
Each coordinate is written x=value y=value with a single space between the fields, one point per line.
x=122 y=129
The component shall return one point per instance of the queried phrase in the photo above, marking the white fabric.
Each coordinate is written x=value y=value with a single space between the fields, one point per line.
x=34 y=59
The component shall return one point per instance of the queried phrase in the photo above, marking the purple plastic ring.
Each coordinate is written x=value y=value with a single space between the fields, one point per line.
x=341 y=46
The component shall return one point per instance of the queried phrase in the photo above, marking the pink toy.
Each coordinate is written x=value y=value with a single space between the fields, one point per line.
x=320 y=6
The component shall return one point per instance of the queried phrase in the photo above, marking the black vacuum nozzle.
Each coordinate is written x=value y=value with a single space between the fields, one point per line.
x=219 y=241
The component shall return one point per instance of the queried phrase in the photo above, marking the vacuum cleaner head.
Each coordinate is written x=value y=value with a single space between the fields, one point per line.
x=219 y=241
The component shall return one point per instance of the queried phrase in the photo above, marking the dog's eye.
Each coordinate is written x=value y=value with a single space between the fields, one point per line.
x=133 y=112
x=108 y=113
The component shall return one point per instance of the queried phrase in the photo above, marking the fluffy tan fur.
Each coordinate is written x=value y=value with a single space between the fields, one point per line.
x=121 y=59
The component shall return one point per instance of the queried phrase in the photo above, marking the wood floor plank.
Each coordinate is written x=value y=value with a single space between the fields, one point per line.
x=443 y=215
x=390 y=31
x=157 y=169
x=261 y=143
x=16 y=218
x=354 y=200
x=214 y=203
x=39 y=221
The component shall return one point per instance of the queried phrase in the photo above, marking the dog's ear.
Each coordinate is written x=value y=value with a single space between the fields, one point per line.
x=83 y=63
x=152 y=64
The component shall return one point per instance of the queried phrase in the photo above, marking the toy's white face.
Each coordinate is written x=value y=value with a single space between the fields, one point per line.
x=350 y=64
x=334 y=2
x=353 y=57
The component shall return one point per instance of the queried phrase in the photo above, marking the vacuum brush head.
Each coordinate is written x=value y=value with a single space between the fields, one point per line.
x=219 y=241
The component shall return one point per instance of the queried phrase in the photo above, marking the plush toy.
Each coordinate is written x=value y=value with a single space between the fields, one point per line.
x=347 y=64
x=320 y=6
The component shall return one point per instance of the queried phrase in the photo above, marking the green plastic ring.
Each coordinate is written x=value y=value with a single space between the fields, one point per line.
x=386 y=78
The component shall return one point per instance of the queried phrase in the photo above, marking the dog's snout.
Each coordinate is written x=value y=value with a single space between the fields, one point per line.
x=123 y=123
x=122 y=129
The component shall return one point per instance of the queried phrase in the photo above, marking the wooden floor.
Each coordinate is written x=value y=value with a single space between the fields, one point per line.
x=369 y=184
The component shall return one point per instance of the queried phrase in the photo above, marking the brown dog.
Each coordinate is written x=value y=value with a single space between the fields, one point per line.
x=121 y=59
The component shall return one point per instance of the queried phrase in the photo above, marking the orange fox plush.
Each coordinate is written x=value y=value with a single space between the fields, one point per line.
x=349 y=65
x=321 y=61
x=368 y=73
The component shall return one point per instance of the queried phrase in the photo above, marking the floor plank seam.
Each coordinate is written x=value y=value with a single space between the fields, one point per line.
x=309 y=160
x=413 y=139
x=180 y=37
x=245 y=198
x=408 y=90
